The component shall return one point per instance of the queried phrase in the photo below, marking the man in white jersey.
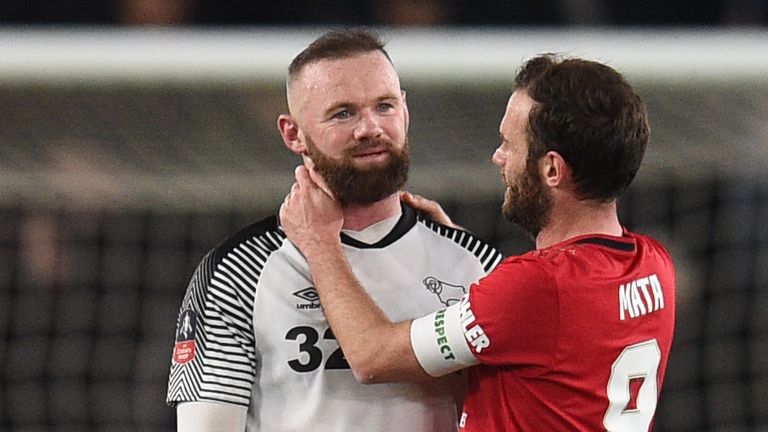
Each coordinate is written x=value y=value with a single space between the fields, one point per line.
x=253 y=350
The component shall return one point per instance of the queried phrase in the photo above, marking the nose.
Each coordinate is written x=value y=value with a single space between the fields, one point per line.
x=369 y=126
x=498 y=158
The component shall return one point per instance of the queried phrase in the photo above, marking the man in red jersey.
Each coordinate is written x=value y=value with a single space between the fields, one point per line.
x=574 y=335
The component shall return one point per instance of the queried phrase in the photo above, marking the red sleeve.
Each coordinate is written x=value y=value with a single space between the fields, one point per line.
x=513 y=312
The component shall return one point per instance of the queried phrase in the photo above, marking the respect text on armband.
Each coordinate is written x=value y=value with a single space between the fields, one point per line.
x=474 y=333
x=442 y=340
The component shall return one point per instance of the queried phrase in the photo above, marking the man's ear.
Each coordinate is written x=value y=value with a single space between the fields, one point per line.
x=553 y=169
x=289 y=130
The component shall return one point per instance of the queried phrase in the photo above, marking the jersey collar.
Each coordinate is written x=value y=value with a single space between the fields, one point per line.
x=404 y=224
x=625 y=243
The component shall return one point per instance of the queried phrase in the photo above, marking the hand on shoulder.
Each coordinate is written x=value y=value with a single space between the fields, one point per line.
x=429 y=208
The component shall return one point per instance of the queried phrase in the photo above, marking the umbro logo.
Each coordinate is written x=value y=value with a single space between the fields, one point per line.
x=310 y=297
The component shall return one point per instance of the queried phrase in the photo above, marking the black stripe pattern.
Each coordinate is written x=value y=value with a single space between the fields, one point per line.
x=222 y=294
x=488 y=255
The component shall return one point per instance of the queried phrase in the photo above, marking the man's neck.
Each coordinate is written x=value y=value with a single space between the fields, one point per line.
x=578 y=219
x=357 y=217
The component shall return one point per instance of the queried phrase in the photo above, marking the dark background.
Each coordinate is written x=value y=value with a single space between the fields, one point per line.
x=389 y=12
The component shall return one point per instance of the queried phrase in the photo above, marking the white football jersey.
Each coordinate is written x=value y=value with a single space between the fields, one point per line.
x=251 y=330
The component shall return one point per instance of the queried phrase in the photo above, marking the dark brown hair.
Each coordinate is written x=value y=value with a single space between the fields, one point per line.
x=337 y=44
x=591 y=116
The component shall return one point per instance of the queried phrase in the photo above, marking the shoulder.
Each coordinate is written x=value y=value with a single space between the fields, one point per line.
x=248 y=249
x=262 y=237
x=529 y=269
x=650 y=243
x=482 y=250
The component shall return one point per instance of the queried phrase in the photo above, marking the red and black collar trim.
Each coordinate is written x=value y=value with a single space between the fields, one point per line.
x=613 y=244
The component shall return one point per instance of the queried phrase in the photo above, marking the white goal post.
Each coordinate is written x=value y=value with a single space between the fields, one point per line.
x=474 y=59
x=463 y=55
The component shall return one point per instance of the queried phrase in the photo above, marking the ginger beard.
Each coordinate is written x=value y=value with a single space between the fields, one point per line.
x=364 y=185
x=526 y=201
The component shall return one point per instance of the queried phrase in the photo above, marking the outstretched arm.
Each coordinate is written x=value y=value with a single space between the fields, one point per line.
x=376 y=349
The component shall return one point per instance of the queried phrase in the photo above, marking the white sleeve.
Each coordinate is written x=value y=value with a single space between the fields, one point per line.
x=210 y=417
x=439 y=343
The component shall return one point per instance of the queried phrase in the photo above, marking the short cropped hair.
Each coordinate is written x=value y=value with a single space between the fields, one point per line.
x=337 y=44
x=590 y=115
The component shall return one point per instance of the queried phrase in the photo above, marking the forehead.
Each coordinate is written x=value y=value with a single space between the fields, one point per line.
x=363 y=76
x=516 y=114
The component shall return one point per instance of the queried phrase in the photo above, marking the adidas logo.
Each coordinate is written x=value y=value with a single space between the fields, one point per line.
x=310 y=296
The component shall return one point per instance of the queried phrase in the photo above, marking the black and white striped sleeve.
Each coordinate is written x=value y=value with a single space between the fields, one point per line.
x=214 y=356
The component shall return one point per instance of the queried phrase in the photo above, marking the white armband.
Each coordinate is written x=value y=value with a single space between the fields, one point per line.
x=439 y=344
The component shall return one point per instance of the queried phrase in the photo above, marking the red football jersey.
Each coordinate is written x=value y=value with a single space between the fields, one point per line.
x=572 y=337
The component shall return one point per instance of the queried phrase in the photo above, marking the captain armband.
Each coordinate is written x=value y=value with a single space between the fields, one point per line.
x=439 y=344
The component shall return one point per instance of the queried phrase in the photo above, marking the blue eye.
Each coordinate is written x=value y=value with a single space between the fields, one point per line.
x=386 y=107
x=344 y=114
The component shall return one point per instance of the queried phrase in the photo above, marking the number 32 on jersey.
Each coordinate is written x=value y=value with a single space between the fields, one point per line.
x=632 y=388
x=310 y=355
